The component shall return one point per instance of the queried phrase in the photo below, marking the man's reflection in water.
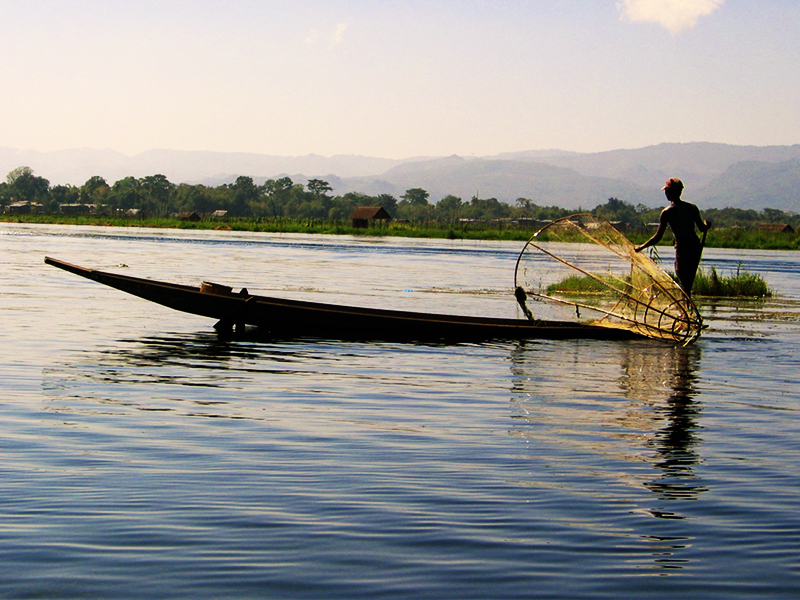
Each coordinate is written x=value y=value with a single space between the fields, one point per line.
x=562 y=389
x=635 y=444
x=673 y=369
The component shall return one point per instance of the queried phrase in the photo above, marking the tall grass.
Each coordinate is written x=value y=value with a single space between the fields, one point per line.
x=740 y=284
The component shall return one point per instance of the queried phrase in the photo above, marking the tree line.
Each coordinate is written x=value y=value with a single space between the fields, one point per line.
x=282 y=198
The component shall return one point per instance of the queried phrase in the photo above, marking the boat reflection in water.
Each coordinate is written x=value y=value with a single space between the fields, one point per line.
x=603 y=453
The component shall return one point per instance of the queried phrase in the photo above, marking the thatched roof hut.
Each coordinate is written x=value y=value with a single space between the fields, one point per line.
x=363 y=215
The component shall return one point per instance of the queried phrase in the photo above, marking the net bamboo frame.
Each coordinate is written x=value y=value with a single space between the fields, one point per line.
x=636 y=294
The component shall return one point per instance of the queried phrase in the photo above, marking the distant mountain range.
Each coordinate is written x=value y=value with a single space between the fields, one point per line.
x=715 y=175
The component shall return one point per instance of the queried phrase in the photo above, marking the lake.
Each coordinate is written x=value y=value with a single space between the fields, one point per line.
x=142 y=456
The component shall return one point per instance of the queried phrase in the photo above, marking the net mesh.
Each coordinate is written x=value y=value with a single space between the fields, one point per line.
x=582 y=265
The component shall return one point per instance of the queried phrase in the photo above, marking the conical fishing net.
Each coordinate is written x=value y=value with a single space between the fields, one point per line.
x=582 y=266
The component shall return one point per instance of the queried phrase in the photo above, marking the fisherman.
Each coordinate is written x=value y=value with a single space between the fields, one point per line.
x=681 y=218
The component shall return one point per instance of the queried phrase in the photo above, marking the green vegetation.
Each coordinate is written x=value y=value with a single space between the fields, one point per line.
x=711 y=284
x=476 y=231
x=578 y=285
x=741 y=284
x=281 y=205
x=735 y=237
x=275 y=200
x=753 y=239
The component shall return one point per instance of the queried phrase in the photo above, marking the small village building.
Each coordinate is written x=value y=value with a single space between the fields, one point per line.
x=24 y=208
x=529 y=223
x=77 y=209
x=364 y=216
x=631 y=225
x=189 y=216
x=776 y=227
x=219 y=214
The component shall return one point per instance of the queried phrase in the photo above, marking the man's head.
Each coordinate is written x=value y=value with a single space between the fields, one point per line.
x=673 y=188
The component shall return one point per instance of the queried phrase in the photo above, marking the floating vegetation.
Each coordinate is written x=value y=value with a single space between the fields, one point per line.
x=741 y=284
x=708 y=284
x=579 y=285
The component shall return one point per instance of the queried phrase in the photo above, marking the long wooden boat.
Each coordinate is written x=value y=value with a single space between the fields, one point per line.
x=300 y=318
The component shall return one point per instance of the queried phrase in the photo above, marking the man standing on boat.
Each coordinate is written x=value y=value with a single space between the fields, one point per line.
x=681 y=218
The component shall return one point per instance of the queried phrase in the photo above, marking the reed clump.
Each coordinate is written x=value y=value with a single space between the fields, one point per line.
x=741 y=284
x=709 y=284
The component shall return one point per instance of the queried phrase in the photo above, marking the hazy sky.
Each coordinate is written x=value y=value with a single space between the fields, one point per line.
x=397 y=78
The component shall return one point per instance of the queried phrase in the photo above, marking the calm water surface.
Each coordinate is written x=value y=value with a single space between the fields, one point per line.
x=143 y=457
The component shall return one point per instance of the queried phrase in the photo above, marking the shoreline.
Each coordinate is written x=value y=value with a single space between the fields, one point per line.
x=741 y=239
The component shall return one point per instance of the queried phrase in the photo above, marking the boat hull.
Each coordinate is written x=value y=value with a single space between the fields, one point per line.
x=300 y=318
